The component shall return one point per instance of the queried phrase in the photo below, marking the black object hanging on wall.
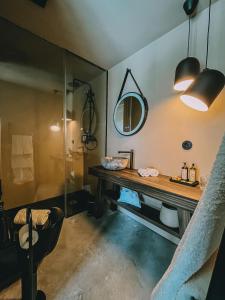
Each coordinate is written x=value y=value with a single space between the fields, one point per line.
x=190 y=7
x=135 y=109
x=205 y=89
x=201 y=94
x=188 y=68
x=128 y=71
x=41 y=3
x=187 y=145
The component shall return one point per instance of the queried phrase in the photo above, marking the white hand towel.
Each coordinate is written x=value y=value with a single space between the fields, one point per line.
x=24 y=237
x=146 y=172
x=39 y=216
x=28 y=175
x=18 y=176
x=22 y=176
x=154 y=172
x=143 y=172
x=17 y=144
x=27 y=144
x=22 y=161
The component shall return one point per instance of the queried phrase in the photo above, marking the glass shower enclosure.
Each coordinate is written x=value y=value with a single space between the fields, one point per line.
x=43 y=120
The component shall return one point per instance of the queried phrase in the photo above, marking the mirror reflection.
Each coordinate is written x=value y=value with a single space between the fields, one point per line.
x=130 y=113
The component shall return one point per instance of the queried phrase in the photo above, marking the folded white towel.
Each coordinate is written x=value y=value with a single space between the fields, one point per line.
x=22 y=175
x=22 y=161
x=24 y=237
x=154 y=172
x=39 y=216
x=27 y=144
x=17 y=144
x=148 y=172
x=22 y=144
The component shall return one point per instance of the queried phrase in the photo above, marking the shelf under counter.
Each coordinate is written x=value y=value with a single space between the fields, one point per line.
x=184 y=198
x=146 y=212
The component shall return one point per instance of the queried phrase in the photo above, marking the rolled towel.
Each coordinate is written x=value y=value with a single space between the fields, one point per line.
x=154 y=172
x=24 y=237
x=39 y=216
x=146 y=172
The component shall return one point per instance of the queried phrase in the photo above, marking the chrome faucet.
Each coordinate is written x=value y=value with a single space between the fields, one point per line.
x=131 y=152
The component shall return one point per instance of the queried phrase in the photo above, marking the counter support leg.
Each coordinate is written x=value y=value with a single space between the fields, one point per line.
x=100 y=203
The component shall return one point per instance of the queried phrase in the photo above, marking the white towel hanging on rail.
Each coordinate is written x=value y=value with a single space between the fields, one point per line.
x=22 y=161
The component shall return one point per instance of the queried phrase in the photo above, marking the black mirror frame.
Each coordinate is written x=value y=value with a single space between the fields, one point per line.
x=145 y=113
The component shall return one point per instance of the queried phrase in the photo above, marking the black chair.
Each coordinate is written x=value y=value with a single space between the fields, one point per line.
x=9 y=268
x=19 y=263
x=30 y=259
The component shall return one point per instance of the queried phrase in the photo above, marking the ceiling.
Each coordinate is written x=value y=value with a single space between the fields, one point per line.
x=102 y=31
x=31 y=61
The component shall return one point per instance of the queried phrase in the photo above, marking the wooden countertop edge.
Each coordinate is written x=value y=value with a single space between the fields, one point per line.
x=191 y=193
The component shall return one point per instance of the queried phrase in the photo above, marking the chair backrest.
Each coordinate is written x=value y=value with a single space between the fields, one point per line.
x=48 y=236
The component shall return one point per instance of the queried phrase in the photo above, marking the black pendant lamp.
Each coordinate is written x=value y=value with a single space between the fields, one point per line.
x=189 y=68
x=201 y=94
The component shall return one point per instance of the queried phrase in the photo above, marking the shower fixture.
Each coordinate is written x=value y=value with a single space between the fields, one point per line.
x=77 y=83
x=88 y=116
x=88 y=138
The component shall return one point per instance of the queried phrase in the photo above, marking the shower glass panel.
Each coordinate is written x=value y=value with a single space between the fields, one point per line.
x=53 y=120
x=84 y=126
x=31 y=113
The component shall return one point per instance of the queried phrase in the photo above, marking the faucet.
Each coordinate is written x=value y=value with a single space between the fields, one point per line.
x=131 y=152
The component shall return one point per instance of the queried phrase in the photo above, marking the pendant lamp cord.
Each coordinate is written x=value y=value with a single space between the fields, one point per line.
x=207 y=46
x=189 y=32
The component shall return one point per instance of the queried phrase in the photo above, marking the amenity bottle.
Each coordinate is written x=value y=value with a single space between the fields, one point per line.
x=192 y=173
x=184 y=172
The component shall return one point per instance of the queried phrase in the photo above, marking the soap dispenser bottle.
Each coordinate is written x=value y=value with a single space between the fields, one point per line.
x=192 y=173
x=184 y=172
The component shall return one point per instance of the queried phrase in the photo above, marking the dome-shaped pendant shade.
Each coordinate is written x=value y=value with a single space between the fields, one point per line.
x=207 y=86
x=186 y=72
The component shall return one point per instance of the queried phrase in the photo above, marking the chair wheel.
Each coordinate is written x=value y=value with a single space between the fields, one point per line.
x=40 y=295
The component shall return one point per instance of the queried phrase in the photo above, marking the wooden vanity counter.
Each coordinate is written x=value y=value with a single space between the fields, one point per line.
x=184 y=198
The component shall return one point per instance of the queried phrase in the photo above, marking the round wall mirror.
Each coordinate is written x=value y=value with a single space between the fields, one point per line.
x=130 y=113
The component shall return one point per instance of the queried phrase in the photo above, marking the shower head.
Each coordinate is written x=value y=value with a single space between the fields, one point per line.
x=77 y=83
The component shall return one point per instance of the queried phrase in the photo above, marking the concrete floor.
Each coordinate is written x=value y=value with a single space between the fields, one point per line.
x=114 y=258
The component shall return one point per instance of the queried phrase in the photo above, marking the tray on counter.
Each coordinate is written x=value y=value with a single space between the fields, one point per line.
x=184 y=182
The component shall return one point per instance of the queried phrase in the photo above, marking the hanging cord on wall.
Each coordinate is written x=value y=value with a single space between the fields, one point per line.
x=189 y=32
x=207 y=46
x=128 y=71
x=88 y=138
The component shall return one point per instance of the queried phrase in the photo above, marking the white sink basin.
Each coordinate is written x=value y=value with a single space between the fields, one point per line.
x=114 y=162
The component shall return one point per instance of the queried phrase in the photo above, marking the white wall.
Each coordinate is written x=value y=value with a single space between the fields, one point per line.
x=169 y=121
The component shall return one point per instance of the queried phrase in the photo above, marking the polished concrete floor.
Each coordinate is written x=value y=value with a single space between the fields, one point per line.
x=114 y=258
